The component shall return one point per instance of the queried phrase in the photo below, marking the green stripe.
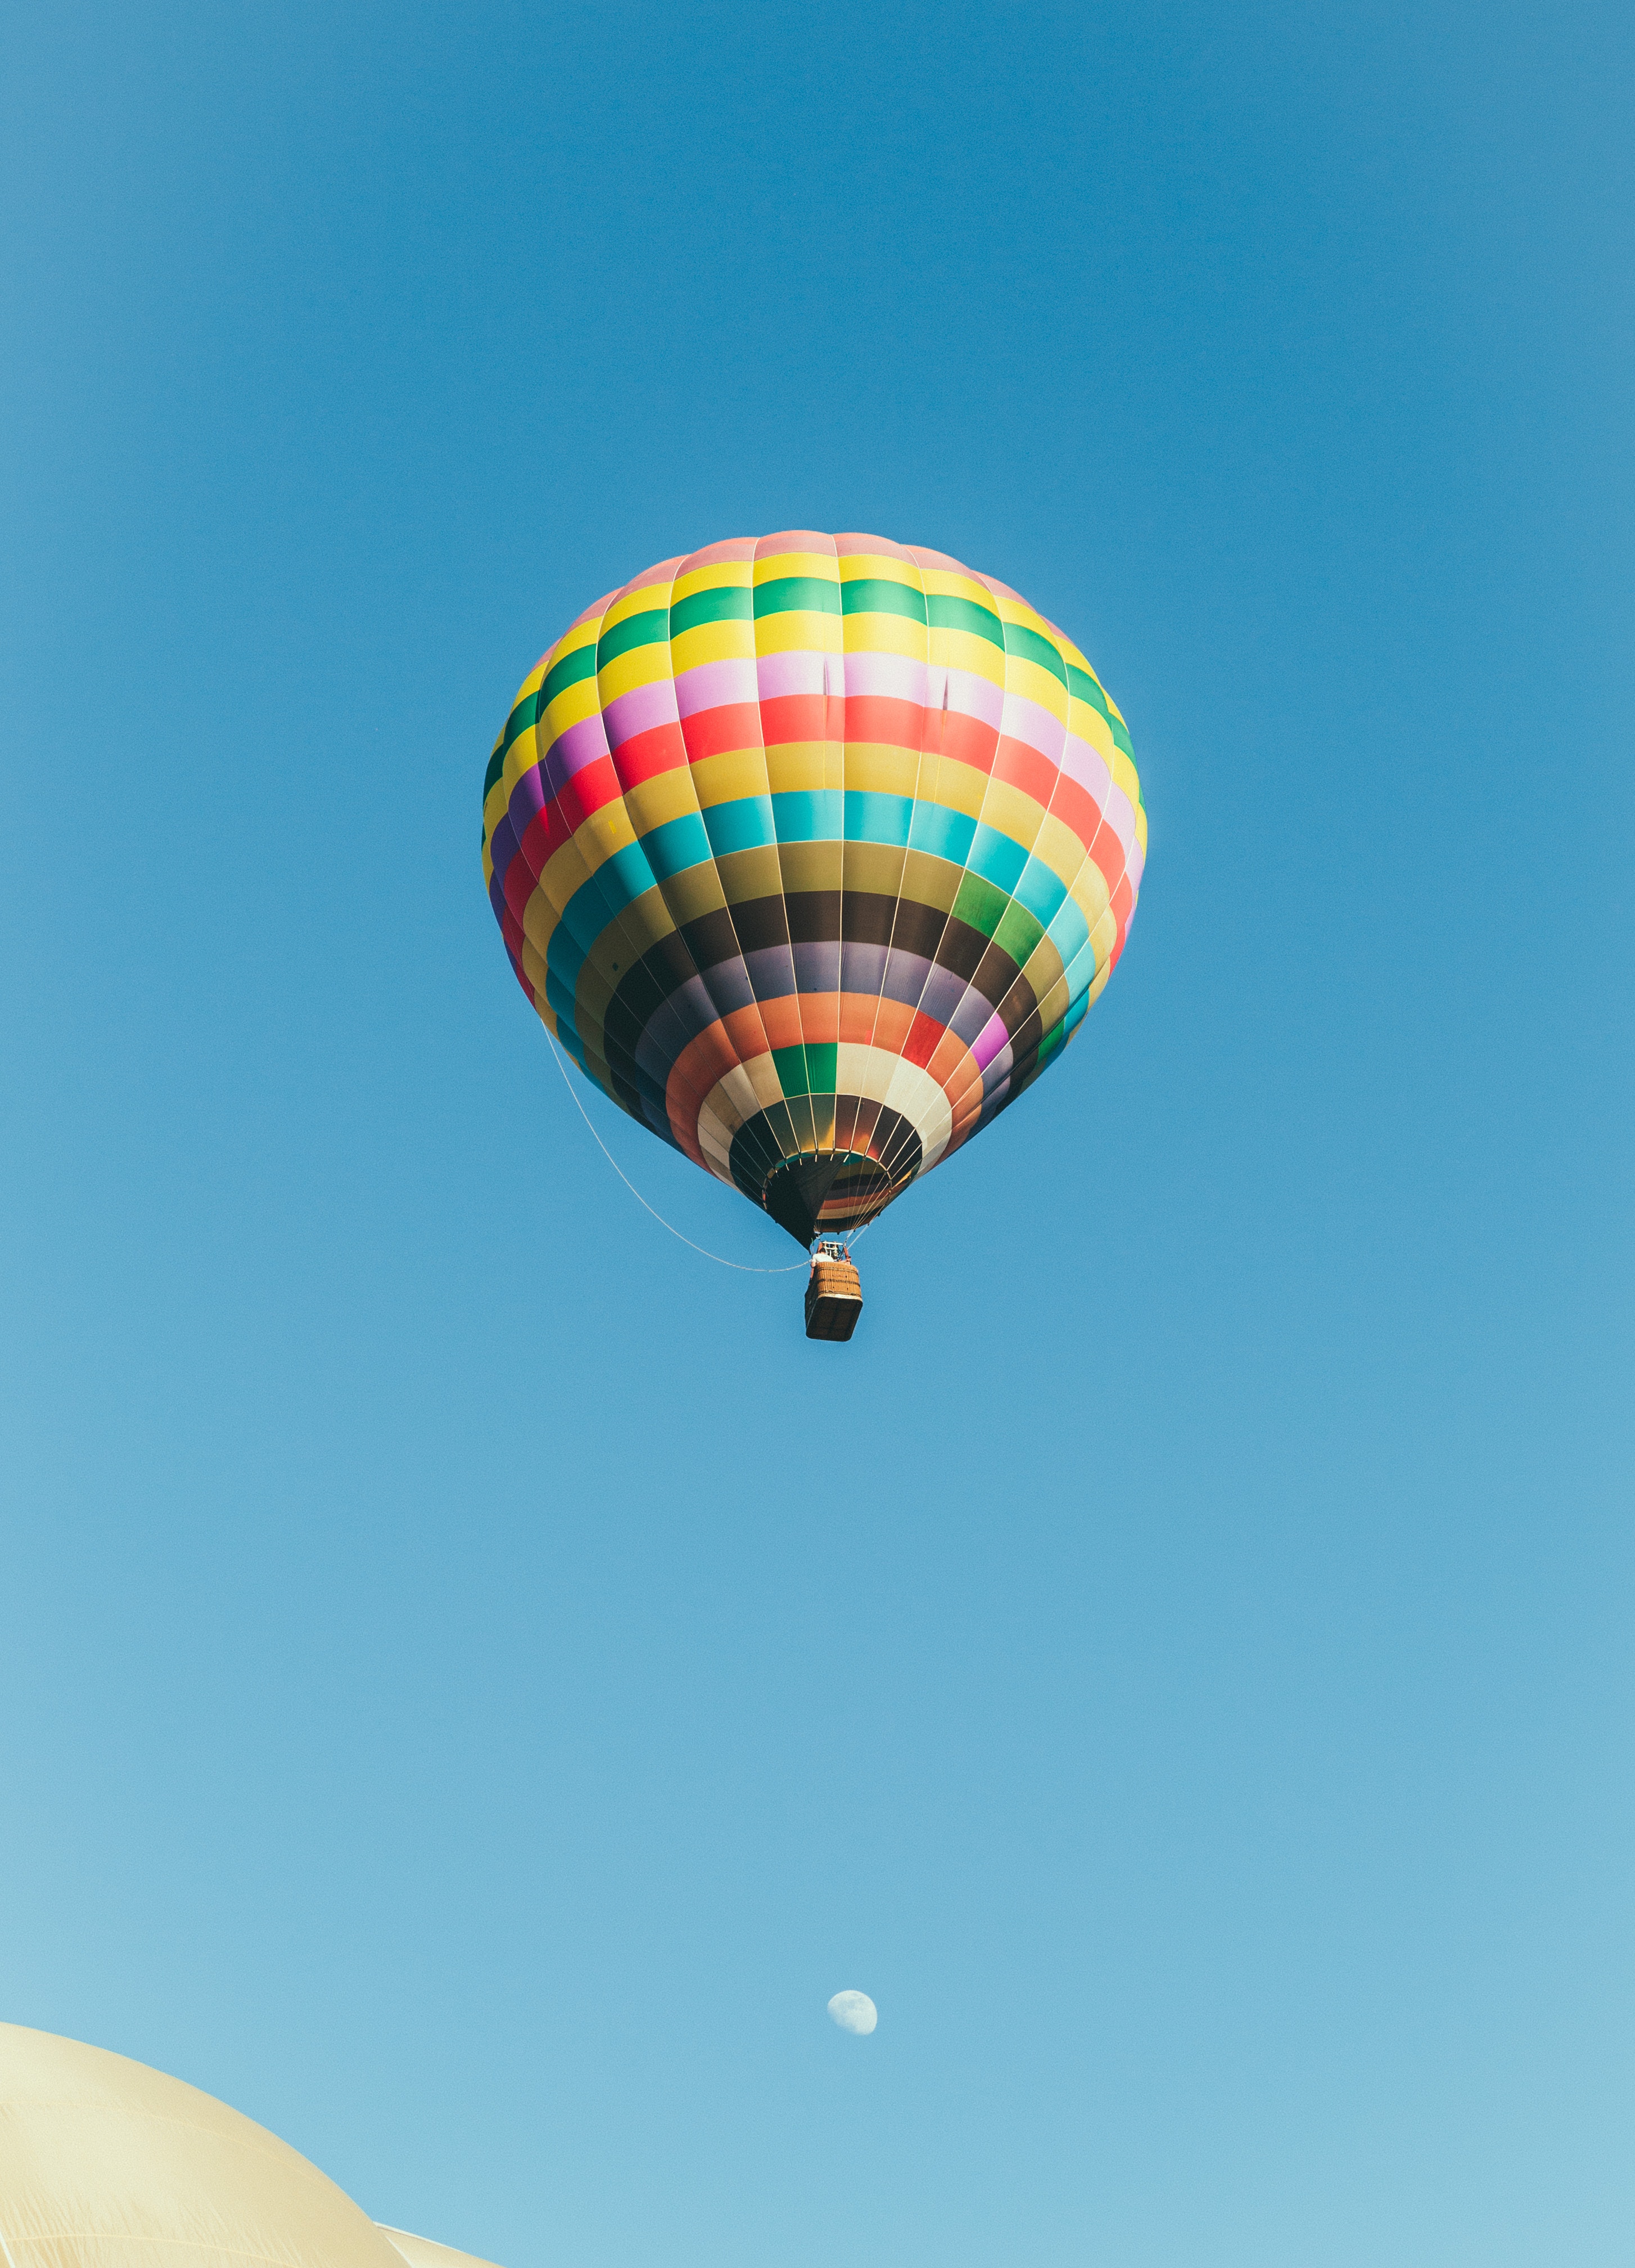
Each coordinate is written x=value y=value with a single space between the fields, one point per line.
x=569 y=671
x=723 y=605
x=651 y=629
x=790 y=594
x=1018 y=932
x=1087 y=689
x=809 y=1070
x=518 y=723
x=875 y=595
x=951 y=613
x=789 y=1064
x=496 y=765
x=980 y=903
x=1080 y=683
x=1029 y=646
x=822 y=1065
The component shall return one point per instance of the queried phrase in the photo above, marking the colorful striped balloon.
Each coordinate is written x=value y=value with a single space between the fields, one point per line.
x=813 y=851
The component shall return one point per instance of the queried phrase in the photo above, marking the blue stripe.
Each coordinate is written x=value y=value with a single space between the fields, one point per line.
x=943 y=833
x=599 y=900
x=996 y=859
x=676 y=845
x=1081 y=973
x=1041 y=891
x=1068 y=933
x=625 y=877
x=560 y=1000
x=810 y=815
x=744 y=824
x=875 y=818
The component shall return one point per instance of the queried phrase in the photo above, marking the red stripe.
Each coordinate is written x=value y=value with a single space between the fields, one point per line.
x=720 y=731
x=1020 y=763
x=795 y=717
x=1075 y=807
x=645 y=754
x=969 y=741
x=1108 y=853
x=518 y=887
x=587 y=792
x=925 y=1037
x=879 y=717
x=546 y=834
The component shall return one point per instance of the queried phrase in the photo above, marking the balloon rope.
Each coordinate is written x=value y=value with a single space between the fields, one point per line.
x=742 y=1267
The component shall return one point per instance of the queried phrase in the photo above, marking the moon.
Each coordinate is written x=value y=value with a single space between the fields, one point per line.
x=854 y=2012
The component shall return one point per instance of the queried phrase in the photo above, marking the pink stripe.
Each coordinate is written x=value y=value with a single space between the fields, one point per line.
x=975 y=696
x=639 y=709
x=781 y=674
x=580 y=745
x=990 y=1039
x=1120 y=815
x=716 y=685
x=1026 y=720
x=922 y=558
x=734 y=547
x=895 y=676
x=1087 y=765
x=793 y=538
x=664 y=572
x=871 y=547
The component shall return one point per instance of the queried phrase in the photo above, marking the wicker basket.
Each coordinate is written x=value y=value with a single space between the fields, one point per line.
x=834 y=1299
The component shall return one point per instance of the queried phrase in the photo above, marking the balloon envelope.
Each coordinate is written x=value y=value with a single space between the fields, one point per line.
x=812 y=852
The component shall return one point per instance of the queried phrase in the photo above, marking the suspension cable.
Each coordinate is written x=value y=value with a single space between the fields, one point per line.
x=742 y=1267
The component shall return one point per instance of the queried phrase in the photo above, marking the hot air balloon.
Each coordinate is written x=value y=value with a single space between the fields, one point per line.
x=812 y=852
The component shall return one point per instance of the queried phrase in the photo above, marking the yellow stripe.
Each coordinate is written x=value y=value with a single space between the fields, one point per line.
x=798 y=767
x=1088 y=892
x=943 y=582
x=956 y=787
x=1014 y=812
x=727 y=641
x=635 y=602
x=667 y=796
x=798 y=632
x=720 y=575
x=727 y=777
x=878 y=567
x=877 y=768
x=1060 y=849
x=872 y=633
x=777 y=565
x=643 y=665
x=1035 y=683
x=978 y=656
x=571 y=706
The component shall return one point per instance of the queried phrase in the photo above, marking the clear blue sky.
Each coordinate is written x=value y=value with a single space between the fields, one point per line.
x=473 y=1680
